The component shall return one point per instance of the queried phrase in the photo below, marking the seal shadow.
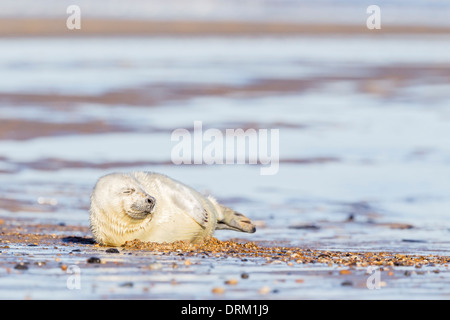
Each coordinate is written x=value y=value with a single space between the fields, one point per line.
x=79 y=240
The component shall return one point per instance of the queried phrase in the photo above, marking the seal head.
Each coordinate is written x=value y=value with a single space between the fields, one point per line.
x=119 y=203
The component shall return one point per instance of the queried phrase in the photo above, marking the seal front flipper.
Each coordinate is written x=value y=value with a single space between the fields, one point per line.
x=185 y=199
x=232 y=220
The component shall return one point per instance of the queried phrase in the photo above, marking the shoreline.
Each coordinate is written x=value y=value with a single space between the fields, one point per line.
x=52 y=27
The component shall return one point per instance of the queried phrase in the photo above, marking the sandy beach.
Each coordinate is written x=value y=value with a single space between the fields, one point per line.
x=358 y=210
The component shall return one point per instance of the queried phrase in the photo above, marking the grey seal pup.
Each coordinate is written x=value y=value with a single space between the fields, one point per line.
x=153 y=207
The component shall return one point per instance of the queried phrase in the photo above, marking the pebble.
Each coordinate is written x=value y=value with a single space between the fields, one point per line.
x=112 y=250
x=155 y=266
x=21 y=266
x=187 y=262
x=345 y=272
x=231 y=282
x=94 y=260
x=127 y=285
x=218 y=290
x=245 y=275
x=264 y=290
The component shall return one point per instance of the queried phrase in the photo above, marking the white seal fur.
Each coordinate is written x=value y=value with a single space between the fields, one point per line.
x=153 y=207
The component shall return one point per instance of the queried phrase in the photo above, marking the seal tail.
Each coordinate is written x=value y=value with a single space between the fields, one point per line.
x=232 y=220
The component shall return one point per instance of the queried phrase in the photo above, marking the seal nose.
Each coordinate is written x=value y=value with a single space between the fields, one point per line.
x=150 y=201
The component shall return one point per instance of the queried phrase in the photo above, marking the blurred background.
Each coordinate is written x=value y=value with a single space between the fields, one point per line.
x=364 y=115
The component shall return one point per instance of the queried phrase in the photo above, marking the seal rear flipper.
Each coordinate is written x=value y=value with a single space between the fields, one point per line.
x=232 y=220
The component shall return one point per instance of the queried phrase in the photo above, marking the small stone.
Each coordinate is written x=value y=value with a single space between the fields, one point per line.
x=94 y=260
x=347 y=283
x=264 y=290
x=187 y=262
x=64 y=267
x=245 y=275
x=231 y=282
x=112 y=250
x=21 y=266
x=155 y=266
x=218 y=290
x=127 y=285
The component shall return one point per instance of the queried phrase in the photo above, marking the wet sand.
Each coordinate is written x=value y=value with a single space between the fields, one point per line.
x=112 y=27
x=380 y=82
x=49 y=258
x=313 y=240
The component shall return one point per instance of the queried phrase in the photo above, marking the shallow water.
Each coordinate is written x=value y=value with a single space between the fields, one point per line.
x=364 y=153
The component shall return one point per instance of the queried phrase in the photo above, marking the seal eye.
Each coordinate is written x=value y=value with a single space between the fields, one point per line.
x=128 y=191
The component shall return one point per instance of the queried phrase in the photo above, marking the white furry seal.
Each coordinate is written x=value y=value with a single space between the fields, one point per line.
x=153 y=207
